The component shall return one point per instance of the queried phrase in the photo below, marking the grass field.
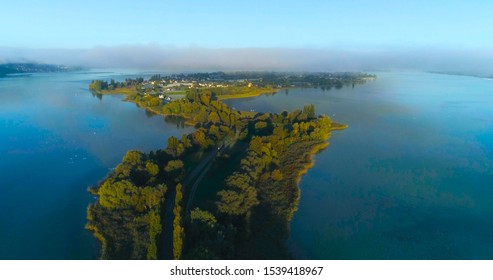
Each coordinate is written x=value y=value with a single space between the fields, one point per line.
x=129 y=90
x=253 y=93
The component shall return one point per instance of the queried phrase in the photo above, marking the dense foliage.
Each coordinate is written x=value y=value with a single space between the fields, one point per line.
x=257 y=200
x=126 y=216
x=99 y=85
x=178 y=232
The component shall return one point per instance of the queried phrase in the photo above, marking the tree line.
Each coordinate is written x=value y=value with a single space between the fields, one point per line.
x=98 y=85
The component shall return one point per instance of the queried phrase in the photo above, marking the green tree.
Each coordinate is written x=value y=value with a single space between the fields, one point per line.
x=260 y=125
x=214 y=118
x=178 y=231
x=203 y=217
x=309 y=110
x=152 y=168
x=117 y=195
x=276 y=175
x=173 y=165
x=256 y=145
x=199 y=137
x=154 y=230
x=186 y=141
x=173 y=146
x=133 y=158
x=214 y=131
x=206 y=99
x=239 y=198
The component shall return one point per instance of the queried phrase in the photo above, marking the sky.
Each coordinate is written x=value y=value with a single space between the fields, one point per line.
x=33 y=29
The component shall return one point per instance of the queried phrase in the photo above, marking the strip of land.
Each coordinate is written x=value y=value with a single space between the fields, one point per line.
x=28 y=68
x=189 y=201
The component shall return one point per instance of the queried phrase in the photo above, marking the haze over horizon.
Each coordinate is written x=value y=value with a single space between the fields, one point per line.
x=278 y=35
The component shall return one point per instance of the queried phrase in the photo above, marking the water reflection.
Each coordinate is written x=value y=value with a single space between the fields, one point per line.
x=150 y=113
x=176 y=120
x=97 y=95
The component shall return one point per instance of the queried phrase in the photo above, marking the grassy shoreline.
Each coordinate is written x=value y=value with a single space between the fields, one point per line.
x=117 y=91
x=254 y=93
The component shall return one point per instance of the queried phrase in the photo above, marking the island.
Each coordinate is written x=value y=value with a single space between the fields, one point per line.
x=226 y=191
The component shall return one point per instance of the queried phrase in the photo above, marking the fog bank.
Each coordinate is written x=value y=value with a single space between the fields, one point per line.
x=156 y=57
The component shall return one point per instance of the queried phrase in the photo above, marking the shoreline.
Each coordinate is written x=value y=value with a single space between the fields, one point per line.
x=305 y=167
x=462 y=75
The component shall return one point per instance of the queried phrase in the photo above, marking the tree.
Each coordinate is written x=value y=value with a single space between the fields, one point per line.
x=205 y=98
x=199 y=137
x=276 y=175
x=173 y=146
x=154 y=229
x=178 y=231
x=173 y=165
x=96 y=85
x=224 y=116
x=256 y=145
x=236 y=202
x=152 y=168
x=133 y=158
x=238 y=180
x=260 y=125
x=203 y=217
x=239 y=198
x=214 y=131
x=186 y=141
x=214 y=118
x=309 y=110
x=117 y=195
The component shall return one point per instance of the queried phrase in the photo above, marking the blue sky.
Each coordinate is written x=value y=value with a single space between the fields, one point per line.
x=323 y=35
x=244 y=24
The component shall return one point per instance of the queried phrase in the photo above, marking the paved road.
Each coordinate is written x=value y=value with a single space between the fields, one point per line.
x=193 y=188
x=192 y=179
x=166 y=250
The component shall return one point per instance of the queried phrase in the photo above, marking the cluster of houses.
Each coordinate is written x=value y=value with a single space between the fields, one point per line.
x=162 y=88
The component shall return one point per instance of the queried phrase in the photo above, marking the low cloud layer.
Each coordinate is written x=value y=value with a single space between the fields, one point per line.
x=154 y=57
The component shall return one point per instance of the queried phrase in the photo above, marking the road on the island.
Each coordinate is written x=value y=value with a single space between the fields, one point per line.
x=193 y=188
x=192 y=180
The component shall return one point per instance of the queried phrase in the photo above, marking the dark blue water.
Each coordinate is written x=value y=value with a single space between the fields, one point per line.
x=56 y=139
x=412 y=176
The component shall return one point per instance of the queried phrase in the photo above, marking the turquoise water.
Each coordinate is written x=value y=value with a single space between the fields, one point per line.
x=412 y=176
x=56 y=139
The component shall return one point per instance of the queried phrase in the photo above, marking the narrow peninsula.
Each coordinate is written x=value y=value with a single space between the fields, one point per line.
x=226 y=191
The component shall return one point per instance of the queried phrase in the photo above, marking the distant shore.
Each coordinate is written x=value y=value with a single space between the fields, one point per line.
x=490 y=77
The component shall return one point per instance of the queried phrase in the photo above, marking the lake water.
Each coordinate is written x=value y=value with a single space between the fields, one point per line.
x=56 y=139
x=412 y=176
